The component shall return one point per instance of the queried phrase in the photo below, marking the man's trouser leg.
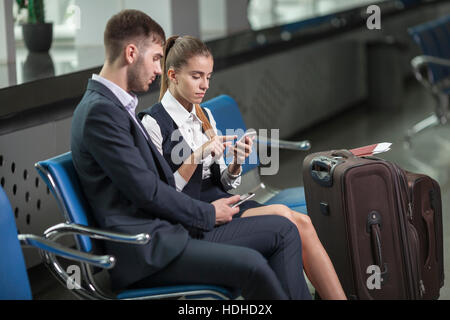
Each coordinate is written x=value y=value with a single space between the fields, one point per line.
x=259 y=255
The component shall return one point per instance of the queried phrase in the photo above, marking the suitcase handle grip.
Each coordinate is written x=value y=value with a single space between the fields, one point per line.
x=373 y=227
x=343 y=153
x=322 y=168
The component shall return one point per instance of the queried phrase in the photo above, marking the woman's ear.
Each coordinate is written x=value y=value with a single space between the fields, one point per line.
x=171 y=75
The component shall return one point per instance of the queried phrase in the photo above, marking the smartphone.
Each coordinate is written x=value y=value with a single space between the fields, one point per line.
x=251 y=134
x=244 y=198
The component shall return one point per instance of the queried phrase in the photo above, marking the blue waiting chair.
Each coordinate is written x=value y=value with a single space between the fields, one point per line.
x=432 y=69
x=14 y=282
x=228 y=118
x=60 y=176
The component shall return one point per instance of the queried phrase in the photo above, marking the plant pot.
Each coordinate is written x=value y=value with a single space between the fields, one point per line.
x=38 y=37
x=38 y=65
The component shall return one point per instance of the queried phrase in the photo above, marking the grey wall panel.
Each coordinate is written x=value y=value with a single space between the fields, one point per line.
x=34 y=207
x=62 y=138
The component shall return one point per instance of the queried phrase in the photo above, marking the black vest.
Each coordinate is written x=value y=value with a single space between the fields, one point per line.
x=206 y=190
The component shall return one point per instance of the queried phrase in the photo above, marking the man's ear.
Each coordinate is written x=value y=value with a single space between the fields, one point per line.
x=131 y=53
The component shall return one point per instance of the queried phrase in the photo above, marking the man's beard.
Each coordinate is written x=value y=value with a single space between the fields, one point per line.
x=136 y=79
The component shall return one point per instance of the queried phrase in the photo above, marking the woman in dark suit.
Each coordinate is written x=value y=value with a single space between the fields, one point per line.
x=187 y=67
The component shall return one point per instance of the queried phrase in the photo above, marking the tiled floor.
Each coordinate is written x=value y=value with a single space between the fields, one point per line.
x=429 y=154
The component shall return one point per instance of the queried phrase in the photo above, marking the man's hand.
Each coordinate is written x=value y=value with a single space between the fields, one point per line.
x=224 y=212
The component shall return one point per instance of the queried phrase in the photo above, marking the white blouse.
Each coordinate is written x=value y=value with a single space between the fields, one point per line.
x=190 y=127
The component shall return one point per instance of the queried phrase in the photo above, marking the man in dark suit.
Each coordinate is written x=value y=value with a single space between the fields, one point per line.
x=131 y=189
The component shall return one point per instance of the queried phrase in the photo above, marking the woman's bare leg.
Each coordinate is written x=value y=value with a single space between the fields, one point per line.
x=317 y=264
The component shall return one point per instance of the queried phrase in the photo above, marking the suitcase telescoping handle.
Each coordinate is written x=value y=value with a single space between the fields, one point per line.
x=374 y=228
x=322 y=167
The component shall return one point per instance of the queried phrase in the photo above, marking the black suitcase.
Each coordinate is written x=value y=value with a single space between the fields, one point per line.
x=381 y=226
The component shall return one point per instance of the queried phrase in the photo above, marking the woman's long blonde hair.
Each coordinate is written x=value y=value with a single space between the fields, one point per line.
x=177 y=52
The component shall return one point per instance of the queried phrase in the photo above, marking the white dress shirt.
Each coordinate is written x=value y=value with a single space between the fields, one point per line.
x=190 y=127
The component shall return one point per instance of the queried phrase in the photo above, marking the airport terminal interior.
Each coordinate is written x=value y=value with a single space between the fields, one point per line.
x=326 y=71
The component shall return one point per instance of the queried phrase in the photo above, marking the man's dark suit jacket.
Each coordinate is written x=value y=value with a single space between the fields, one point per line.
x=130 y=187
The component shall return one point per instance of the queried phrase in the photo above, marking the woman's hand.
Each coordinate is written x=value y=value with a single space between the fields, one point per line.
x=214 y=147
x=242 y=150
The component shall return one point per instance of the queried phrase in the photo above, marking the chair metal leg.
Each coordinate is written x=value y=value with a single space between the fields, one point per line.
x=440 y=117
x=442 y=109
x=429 y=122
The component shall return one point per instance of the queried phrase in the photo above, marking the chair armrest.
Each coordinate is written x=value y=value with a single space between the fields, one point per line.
x=421 y=60
x=284 y=144
x=88 y=290
x=63 y=229
x=28 y=240
x=420 y=63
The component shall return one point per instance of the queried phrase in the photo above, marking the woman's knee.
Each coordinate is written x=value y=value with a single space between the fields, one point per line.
x=302 y=219
x=283 y=211
x=305 y=227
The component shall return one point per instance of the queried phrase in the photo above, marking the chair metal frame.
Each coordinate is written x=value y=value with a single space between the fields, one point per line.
x=49 y=246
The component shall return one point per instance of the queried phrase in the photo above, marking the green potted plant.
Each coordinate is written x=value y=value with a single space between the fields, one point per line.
x=37 y=34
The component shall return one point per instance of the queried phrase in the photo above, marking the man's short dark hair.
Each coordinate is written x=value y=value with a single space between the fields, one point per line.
x=130 y=25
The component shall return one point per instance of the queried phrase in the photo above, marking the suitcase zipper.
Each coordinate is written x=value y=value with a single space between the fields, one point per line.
x=410 y=211
x=421 y=285
x=416 y=290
